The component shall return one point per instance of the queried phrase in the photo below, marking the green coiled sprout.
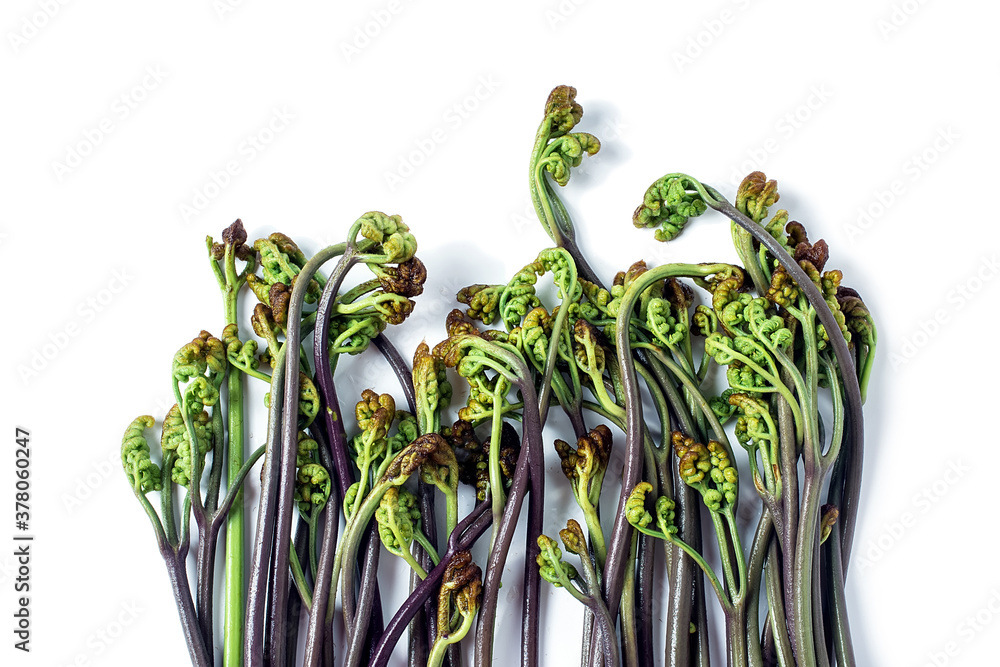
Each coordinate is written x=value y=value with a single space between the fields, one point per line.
x=389 y=231
x=143 y=475
x=482 y=300
x=398 y=518
x=280 y=262
x=174 y=439
x=668 y=204
x=431 y=387
x=203 y=356
x=556 y=152
x=519 y=297
x=312 y=488
x=551 y=566
x=708 y=469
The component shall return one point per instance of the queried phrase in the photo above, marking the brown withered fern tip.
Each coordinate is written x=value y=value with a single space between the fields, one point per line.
x=803 y=251
x=756 y=194
x=468 y=451
x=573 y=538
x=596 y=446
x=462 y=581
x=456 y=324
x=236 y=236
x=473 y=455
x=849 y=298
x=412 y=457
x=584 y=330
x=796 y=233
x=626 y=278
x=398 y=311
x=828 y=517
x=678 y=294
x=510 y=449
x=463 y=437
x=262 y=321
x=563 y=108
x=406 y=279
x=459 y=572
x=278 y=298
x=854 y=309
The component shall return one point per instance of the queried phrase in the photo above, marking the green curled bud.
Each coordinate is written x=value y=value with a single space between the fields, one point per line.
x=308 y=400
x=200 y=393
x=705 y=321
x=550 y=564
x=350 y=498
x=635 y=506
x=482 y=300
x=143 y=475
x=664 y=324
x=596 y=305
x=535 y=333
x=720 y=347
x=518 y=297
x=174 y=438
x=669 y=204
x=587 y=349
x=398 y=517
x=203 y=355
x=767 y=327
x=586 y=465
x=306 y=449
x=567 y=152
x=375 y=413
x=694 y=460
x=754 y=426
x=665 y=516
x=776 y=227
x=721 y=406
x=280 y=262
x=406 y=430
x=352 y=334
x=708 y=469
x=783 y=291
x=389 y=231
x=238 y=353
x=312 y=488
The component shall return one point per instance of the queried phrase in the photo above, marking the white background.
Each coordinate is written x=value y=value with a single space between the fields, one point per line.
x=887 y=107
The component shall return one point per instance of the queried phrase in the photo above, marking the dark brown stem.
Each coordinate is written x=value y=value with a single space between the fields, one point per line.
x=185 y=606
